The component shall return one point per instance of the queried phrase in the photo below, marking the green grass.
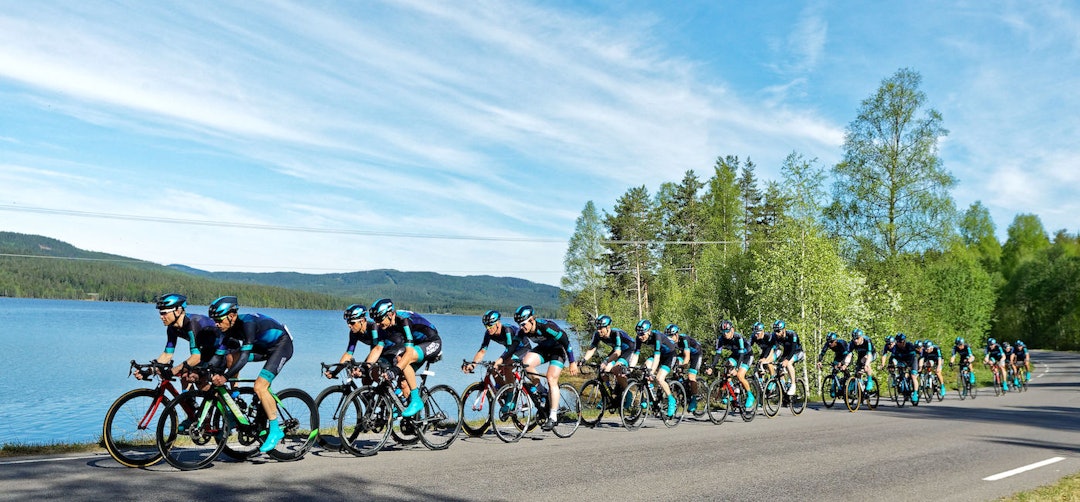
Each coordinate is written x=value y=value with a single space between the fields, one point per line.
x=1065 y=490
x=26 y=449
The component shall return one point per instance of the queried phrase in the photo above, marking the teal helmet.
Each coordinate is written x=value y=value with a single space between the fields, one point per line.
x=671 y=329
x=491 y=317
x=354 y=312
x=381 y=308
x=643 y=326
x=523 y=313
x=603 y=321
x=223 y=306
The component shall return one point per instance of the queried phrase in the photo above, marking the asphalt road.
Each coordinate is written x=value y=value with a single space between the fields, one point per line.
x=941 y=451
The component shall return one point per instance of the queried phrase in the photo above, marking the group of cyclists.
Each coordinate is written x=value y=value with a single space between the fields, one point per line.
x=224 y=341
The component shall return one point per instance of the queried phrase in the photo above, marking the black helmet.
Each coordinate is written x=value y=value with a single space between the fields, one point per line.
x=960 y=340
x=778 y=326
x=354 y=312
x=603 y=321
x=643 y=326
x=171 y=301
x=726 y=326
x=758 y=327
x=900 y=337
x=831 y=337
x=491 y=317
x=671 y=329
x=381 y=308
x=856 y=333
x=223 y=306
x=523 y=313
x=890 y=339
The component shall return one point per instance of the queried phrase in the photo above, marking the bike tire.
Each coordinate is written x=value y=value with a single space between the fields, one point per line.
x=330 y=403
x=963 y=383
x=299 y=420
x=853 y=394
x=829 y=391
x=475 y=409
x=127 y=439
x=634 y=405
x=719 y=401
x=797 y=401
x=679 y=392
x=594 y=402
x=872 y=397
x=568 y=416
x=202 y=440
x=365 y=422
x=242 y=442
x=748 y=413
x=440 y=420
x=511 y=413
x=772 y=397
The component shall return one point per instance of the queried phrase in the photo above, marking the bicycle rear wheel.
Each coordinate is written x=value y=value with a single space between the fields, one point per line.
x=331 y=403
x=568 y=416
x=633 y=405
x=719 y=401
x=129 y=427
x=476 y=409
x=299 y=420
x=593 y=402
x=440 y=420
x=749 y=412
x=872 y=397
x=679 y=392
x=797 y=401
x=512 y=412
x=365 y=423
x=197 y=427
x=241 y=442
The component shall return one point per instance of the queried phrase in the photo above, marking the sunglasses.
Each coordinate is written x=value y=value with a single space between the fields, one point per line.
x=356 y=321
x=164 y=313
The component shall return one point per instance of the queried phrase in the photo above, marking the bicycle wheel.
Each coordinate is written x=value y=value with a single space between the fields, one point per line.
x=872 y=397
x=440 y=420
x=853 y=394
x=828 y=392
x=128 y=431
x=196 y=427
x=997 y=385
x=679 y=393
x=634 y=405
x=771 y=397
x=797 y=402
x=568 y=416
x=593 y=402
x=749 y=412
x=698 y=400
x=939 y=389
x=962 y=385
x=894 y=395
x=330 y=403
x=974 y=391
x=476 y=412
x=719 y=401
x=365 y=422
x=299 y=420
x=511 y=413
x=241 y=442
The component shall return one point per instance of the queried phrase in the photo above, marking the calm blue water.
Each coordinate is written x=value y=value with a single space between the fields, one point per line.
x=63 y=362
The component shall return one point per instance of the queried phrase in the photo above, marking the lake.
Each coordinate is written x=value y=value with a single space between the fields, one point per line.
x=63 y=362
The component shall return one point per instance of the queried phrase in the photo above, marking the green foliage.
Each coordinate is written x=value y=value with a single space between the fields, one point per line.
x=1027 y=238
x=584 y=276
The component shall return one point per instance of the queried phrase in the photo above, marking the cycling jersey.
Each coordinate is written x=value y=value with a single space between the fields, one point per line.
x=663 y=348
x=737 y=345
x=508 y=336
x=686 y=343
x=261 y=338
x=618 y=339
x=365 y=337
x=840 y=350
x=964 y=353
x=788 y=340
x=767 y=341
x=931 y=353
x=1021 y=354
x=202 y=335
x=550 y=342
x=863 y=350
x=995 y=353
x=906 y=353
x=887 y=349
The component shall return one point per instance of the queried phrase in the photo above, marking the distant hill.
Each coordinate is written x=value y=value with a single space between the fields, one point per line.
x=34 y=266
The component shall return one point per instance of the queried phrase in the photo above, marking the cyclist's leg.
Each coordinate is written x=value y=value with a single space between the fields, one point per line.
x=275 y=360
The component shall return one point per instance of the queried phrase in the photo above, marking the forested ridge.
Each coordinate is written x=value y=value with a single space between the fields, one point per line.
x=33 y=266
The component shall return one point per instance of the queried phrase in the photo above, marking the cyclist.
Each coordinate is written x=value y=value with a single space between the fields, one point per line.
x=841 y=352
x=740 y=352
x=200 y=331
x=261 y=338
x=1010 y=360
x=791 y=351
x=690 y=359
x=886 y=351
x=1022 y=356
x=906 y=353
x=932 y=354
x=767 y=342
x=663 y=356
x=622 y=346
x=995 y=358
x=967 y=356
x=515 y=344
x=551 y=345
x=419 y=339
x=862 y=350
x=360 y=331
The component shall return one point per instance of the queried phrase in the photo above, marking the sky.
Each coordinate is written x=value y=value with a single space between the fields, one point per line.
x=465 y=138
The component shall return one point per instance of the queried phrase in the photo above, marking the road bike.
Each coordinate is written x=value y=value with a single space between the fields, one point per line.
x=795 y=401
x=519 y=407
x=643 y=397
x=199 y=425
x=331 y=402
x=999 y=388
x=372 y=411
x=833 y=385
x=904 y=387
x=726 y=395
x=1016 y=380
x=771 y=396
x=965 y=384
x=857 y=393
x=929 y=384
x=476 y=399
x=128 y=430
x=695 y=404
x=599 y=395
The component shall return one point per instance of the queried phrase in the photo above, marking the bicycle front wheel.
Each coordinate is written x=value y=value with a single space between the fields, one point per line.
x=568 y=416
x=679 y=393
x=853 y=394
x=719 y=401
x=633 y=405
x=511 y=413
x=331 y=403
x=797 y=401
x=440 y=420
x=299 y=420
x=195 y=423
x=828 y=392
x=241 y=442
x=962 y=384
x=593 y=402
x=128 y=431
x=476 y=409
x=872 y=397
x=365 y=423
x=771 y=397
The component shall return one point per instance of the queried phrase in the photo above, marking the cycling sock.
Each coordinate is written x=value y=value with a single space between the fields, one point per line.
x=273 y=435
x=415 y=404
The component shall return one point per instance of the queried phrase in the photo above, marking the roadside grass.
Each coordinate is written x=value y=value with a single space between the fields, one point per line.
x=1065 y=490
x=27 y=449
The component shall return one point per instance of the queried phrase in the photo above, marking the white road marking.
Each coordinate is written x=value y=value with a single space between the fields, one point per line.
x=54 y=459
x=1025 y=468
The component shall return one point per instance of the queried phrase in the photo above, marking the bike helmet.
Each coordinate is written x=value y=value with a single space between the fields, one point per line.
x=726 y=326
x=381 y=308
x=900 y=337
x=643 y=326
x=991 y=342
x=758 y=327
x=778 y=326
x=671 y=330
x=354 y=312
x=831 y=337
x=1019 y=343
x=890 y=339
x=856 y=333
x=523 y=313
x=1005 y=345
x=603 y=321
x=918 y=344
x=223 y=306
x=491 y=317
x=171 y=301
x=960 y=340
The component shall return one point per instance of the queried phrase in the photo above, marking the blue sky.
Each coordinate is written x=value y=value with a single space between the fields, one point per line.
x=466 y=137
